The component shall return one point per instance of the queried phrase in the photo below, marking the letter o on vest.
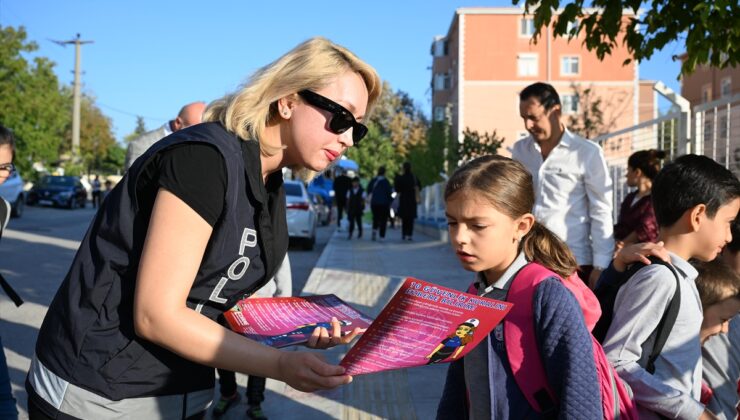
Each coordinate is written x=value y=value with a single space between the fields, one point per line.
x=239 y=265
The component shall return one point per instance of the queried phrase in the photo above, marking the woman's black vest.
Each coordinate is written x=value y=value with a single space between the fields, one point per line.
x=88 y=337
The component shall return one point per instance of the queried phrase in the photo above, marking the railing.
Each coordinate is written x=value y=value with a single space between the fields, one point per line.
x=715 y=132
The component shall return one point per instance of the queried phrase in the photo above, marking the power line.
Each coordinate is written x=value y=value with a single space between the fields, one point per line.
x=131 y=114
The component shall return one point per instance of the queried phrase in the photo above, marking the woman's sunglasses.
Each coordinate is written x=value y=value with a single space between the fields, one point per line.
x=341 y=119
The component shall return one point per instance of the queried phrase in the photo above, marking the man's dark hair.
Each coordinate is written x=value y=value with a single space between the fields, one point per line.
x=406 y=167
x=381 y=170
x=6 y=137
x=689 y=181
x=543 y=92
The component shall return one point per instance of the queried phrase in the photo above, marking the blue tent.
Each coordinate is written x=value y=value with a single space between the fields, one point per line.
x=348 y=165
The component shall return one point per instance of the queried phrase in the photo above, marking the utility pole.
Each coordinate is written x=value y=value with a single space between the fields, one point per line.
x=76 y=96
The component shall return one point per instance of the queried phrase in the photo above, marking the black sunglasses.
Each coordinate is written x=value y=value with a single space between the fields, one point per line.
x=341 y=119
x=8 y=167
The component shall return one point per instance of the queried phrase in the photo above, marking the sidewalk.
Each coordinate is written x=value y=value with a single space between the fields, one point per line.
x=366 y=274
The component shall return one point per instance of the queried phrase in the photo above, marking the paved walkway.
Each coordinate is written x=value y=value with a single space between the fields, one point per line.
x=366 y=274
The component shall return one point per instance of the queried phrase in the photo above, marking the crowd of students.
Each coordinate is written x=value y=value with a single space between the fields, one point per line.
x=495 y=235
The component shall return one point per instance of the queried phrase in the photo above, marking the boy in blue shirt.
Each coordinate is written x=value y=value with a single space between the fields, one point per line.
x=695 y=200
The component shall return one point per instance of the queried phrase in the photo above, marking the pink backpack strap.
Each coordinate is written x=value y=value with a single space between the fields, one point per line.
x=519 y=337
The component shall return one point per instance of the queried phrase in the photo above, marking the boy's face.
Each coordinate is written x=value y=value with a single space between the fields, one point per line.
x=714 y=233
x=717 y=318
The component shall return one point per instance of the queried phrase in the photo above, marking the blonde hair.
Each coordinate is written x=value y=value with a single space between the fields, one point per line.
x=507 y=186
x=312 y=65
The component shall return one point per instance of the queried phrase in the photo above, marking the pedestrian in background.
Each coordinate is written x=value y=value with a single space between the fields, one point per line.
x=381 y=195
x=636 y=221
x=95 y=192
x=408 y=189
x=190 y=114
x=195 y=224
x=355 y=207
x=571 y=181
x=342 y=184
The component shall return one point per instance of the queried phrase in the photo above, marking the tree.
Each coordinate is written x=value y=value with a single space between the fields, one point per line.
x=428 y=158
x=590 y=121
x=395 y=127
x=711 y=28
x=139 y=130
x=31 y=103
x=96 y=136
x=376 y=150
x=475 y=145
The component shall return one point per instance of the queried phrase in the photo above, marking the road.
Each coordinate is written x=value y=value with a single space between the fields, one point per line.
x=35 y=254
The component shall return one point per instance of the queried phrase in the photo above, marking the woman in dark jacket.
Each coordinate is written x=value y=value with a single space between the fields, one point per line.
x=406 y=186
x=636 y=221
x=196 y=224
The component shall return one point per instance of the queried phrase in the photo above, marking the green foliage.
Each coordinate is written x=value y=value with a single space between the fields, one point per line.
x=73 y=168
x=139 y=130
x=711 y=28
x=396 y=127
x=428 y=158
x=475 y=145
x=31 y=103
x=113 y=161
x=376 y=150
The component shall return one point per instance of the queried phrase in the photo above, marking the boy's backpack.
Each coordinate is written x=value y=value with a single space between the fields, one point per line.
x=607 y=291
x=524 y=355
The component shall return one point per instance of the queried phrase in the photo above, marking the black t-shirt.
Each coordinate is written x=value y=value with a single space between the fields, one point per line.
x=186 y=170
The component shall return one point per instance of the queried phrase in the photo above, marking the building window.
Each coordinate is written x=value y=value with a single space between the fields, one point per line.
x=526 y=65
x=439 y=48
x=439 y=113
x=570 y=104
x=725 y=87
x=526 y=27
x=706 y=93
x=441 y=81
x=570 y=66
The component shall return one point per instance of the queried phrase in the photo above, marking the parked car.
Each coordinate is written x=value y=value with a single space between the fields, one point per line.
x=301 y=214
x=323 y=209
x=12 y=191
x=62 y=191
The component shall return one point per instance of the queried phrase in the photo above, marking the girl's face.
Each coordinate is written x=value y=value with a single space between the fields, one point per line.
x=6 y=158
x=633 y=176
x=484 y=239
x=309 y=141
x=717 y=318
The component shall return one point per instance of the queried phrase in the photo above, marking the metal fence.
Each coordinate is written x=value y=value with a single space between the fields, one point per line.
x=711 y=129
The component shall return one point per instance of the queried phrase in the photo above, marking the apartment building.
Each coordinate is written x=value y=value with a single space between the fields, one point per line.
x=487 y=57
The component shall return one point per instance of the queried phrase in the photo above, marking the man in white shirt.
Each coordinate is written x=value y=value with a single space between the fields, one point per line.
x=573 y=190
x=190 y=114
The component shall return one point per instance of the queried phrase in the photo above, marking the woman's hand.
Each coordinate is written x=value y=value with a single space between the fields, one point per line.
x=639 y=253
x=307 y=372
x=321 y=339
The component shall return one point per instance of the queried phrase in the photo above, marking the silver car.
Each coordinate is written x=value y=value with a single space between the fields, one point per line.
x=12 y=191
x=301 y=214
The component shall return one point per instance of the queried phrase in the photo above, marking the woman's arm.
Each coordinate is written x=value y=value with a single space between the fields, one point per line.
x=174 y=246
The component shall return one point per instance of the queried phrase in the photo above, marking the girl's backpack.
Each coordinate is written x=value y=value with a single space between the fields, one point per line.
x=524 y=356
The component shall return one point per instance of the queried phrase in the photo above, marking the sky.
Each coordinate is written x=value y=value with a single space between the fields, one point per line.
x=149 y=58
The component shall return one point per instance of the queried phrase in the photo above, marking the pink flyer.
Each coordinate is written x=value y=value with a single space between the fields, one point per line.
x=286 y=321
x=424 y=324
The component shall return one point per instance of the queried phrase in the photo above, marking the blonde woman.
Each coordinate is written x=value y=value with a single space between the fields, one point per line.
x=196 y=224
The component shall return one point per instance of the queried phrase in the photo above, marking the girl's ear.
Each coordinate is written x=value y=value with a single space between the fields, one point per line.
x=523 y=225
x=285 y=106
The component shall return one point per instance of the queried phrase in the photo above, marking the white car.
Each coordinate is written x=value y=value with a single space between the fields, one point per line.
x=301 y=214
x=12 y=191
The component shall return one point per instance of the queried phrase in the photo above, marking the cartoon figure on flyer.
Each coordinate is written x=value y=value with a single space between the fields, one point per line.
x=300 y=332
x=455 y=342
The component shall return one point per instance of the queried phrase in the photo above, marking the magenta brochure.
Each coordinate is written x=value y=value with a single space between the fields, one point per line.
x=287 y=321
x=424 y=324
